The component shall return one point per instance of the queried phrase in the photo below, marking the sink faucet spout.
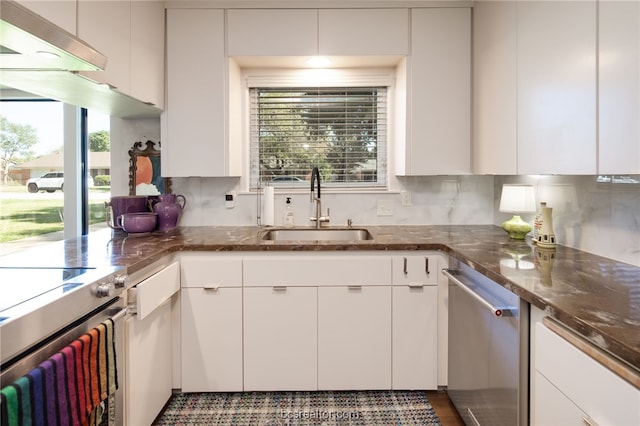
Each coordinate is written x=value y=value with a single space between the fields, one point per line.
x=318 y=219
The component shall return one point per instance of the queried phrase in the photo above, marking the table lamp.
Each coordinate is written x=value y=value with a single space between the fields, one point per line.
x=517 y=199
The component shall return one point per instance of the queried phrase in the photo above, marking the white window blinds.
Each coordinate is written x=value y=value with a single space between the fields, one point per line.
x=340 y=130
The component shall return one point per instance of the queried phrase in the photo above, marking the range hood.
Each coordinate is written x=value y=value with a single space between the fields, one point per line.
x=30 y=42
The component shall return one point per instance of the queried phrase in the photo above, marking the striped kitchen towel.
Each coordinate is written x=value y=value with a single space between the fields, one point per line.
x=69 y=388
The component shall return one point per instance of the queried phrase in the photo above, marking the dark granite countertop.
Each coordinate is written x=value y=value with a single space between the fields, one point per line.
x=597 y=297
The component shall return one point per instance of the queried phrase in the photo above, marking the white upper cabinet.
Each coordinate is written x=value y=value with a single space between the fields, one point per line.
x=619 y=87
x=535 y=87
x=194 y=130
x=438 y=95
x=60 y=12
x=556 y=87
x=147 y=52
x=106 y=25
x=131 y=35
x=310 y=32
x=363 y=32
x=494 y=88
x=272 y=32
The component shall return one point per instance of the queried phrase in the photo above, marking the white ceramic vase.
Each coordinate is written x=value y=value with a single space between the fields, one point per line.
x=546 y=236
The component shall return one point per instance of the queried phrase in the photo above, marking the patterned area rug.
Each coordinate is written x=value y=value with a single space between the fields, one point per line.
x=300 y=408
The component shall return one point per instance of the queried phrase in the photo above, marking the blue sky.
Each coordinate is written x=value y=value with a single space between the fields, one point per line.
x=46 y=117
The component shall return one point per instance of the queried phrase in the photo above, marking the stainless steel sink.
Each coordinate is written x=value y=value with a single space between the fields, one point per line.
x=317 y=234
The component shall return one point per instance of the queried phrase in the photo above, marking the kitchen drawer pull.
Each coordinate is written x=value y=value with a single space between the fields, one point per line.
x=497 y=311
x=279 y=288
x=416 y=285
x=354 y=287
x=212 y=288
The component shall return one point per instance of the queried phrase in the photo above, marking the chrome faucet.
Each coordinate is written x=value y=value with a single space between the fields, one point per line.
x=318 y=219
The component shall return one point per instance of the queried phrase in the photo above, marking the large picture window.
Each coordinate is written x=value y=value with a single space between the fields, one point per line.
x=340 y=130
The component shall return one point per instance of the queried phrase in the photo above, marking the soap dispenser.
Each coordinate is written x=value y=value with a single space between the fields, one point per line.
x=289 y=215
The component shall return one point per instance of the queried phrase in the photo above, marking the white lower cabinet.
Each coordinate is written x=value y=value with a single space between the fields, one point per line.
x=415 y=337
x=310 y=321
x=280 y=338
x=148 y=373
x=570 y=387
x=148 y=353
x=211 y=325
x=354 y=337
x=553 y=407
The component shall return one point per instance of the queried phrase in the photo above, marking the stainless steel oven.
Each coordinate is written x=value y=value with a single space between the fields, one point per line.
x=488 y=349
x=43 y=310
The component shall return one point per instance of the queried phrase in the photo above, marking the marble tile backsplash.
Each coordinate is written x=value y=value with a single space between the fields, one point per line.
x=594 y=216
x=598 y=217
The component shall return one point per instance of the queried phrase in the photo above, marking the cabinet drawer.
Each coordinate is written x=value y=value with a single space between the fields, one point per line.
x=211 y=272
x=155 y=290
x=272 y=32
x=415 y=270
x=316 y=271
x=363 y=31
x=597 y=391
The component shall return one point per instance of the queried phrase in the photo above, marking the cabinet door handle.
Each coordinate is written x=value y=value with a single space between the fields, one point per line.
x=279 y=288
x=426 y=266
x=212 y=288
x=354 y=287
x=405 y=265
x=416 y=285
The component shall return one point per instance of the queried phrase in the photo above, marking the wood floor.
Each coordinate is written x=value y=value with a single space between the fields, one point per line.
x=444 y=408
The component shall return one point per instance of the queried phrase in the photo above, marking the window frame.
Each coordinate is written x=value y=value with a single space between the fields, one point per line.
x=317 y=78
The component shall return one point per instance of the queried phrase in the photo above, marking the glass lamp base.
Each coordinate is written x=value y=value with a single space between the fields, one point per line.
x=516 y=227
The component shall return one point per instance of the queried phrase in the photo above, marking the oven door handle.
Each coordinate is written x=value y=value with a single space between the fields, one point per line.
x=497 y=311
x=119 y=314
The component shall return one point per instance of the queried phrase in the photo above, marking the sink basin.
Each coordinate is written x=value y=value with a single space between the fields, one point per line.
x=314 y=234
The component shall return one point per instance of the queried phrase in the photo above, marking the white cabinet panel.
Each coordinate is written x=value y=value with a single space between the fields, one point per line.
x=211 y=325
x=601 y=394
x=60 y=12
x=147 y=51
x=157 y=289
x=363 y=31
x=556 y=87
x=494 y=88
x=280 y=339
x=106 y=25
x=211 y=271
x=272 y=32
x=194 y=141
x=312 y=270
x=354 y=338
x=415 y=337
x=438 y=94
x=553 y=407
x=619 y=87
x=148 y=377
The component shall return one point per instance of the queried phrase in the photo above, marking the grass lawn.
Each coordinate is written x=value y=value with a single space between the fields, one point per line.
x=22 y=217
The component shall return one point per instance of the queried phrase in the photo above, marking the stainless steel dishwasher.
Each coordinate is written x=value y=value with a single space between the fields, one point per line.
x=488 y=349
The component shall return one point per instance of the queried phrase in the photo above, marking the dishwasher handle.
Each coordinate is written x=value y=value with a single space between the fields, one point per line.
x=497 y=311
